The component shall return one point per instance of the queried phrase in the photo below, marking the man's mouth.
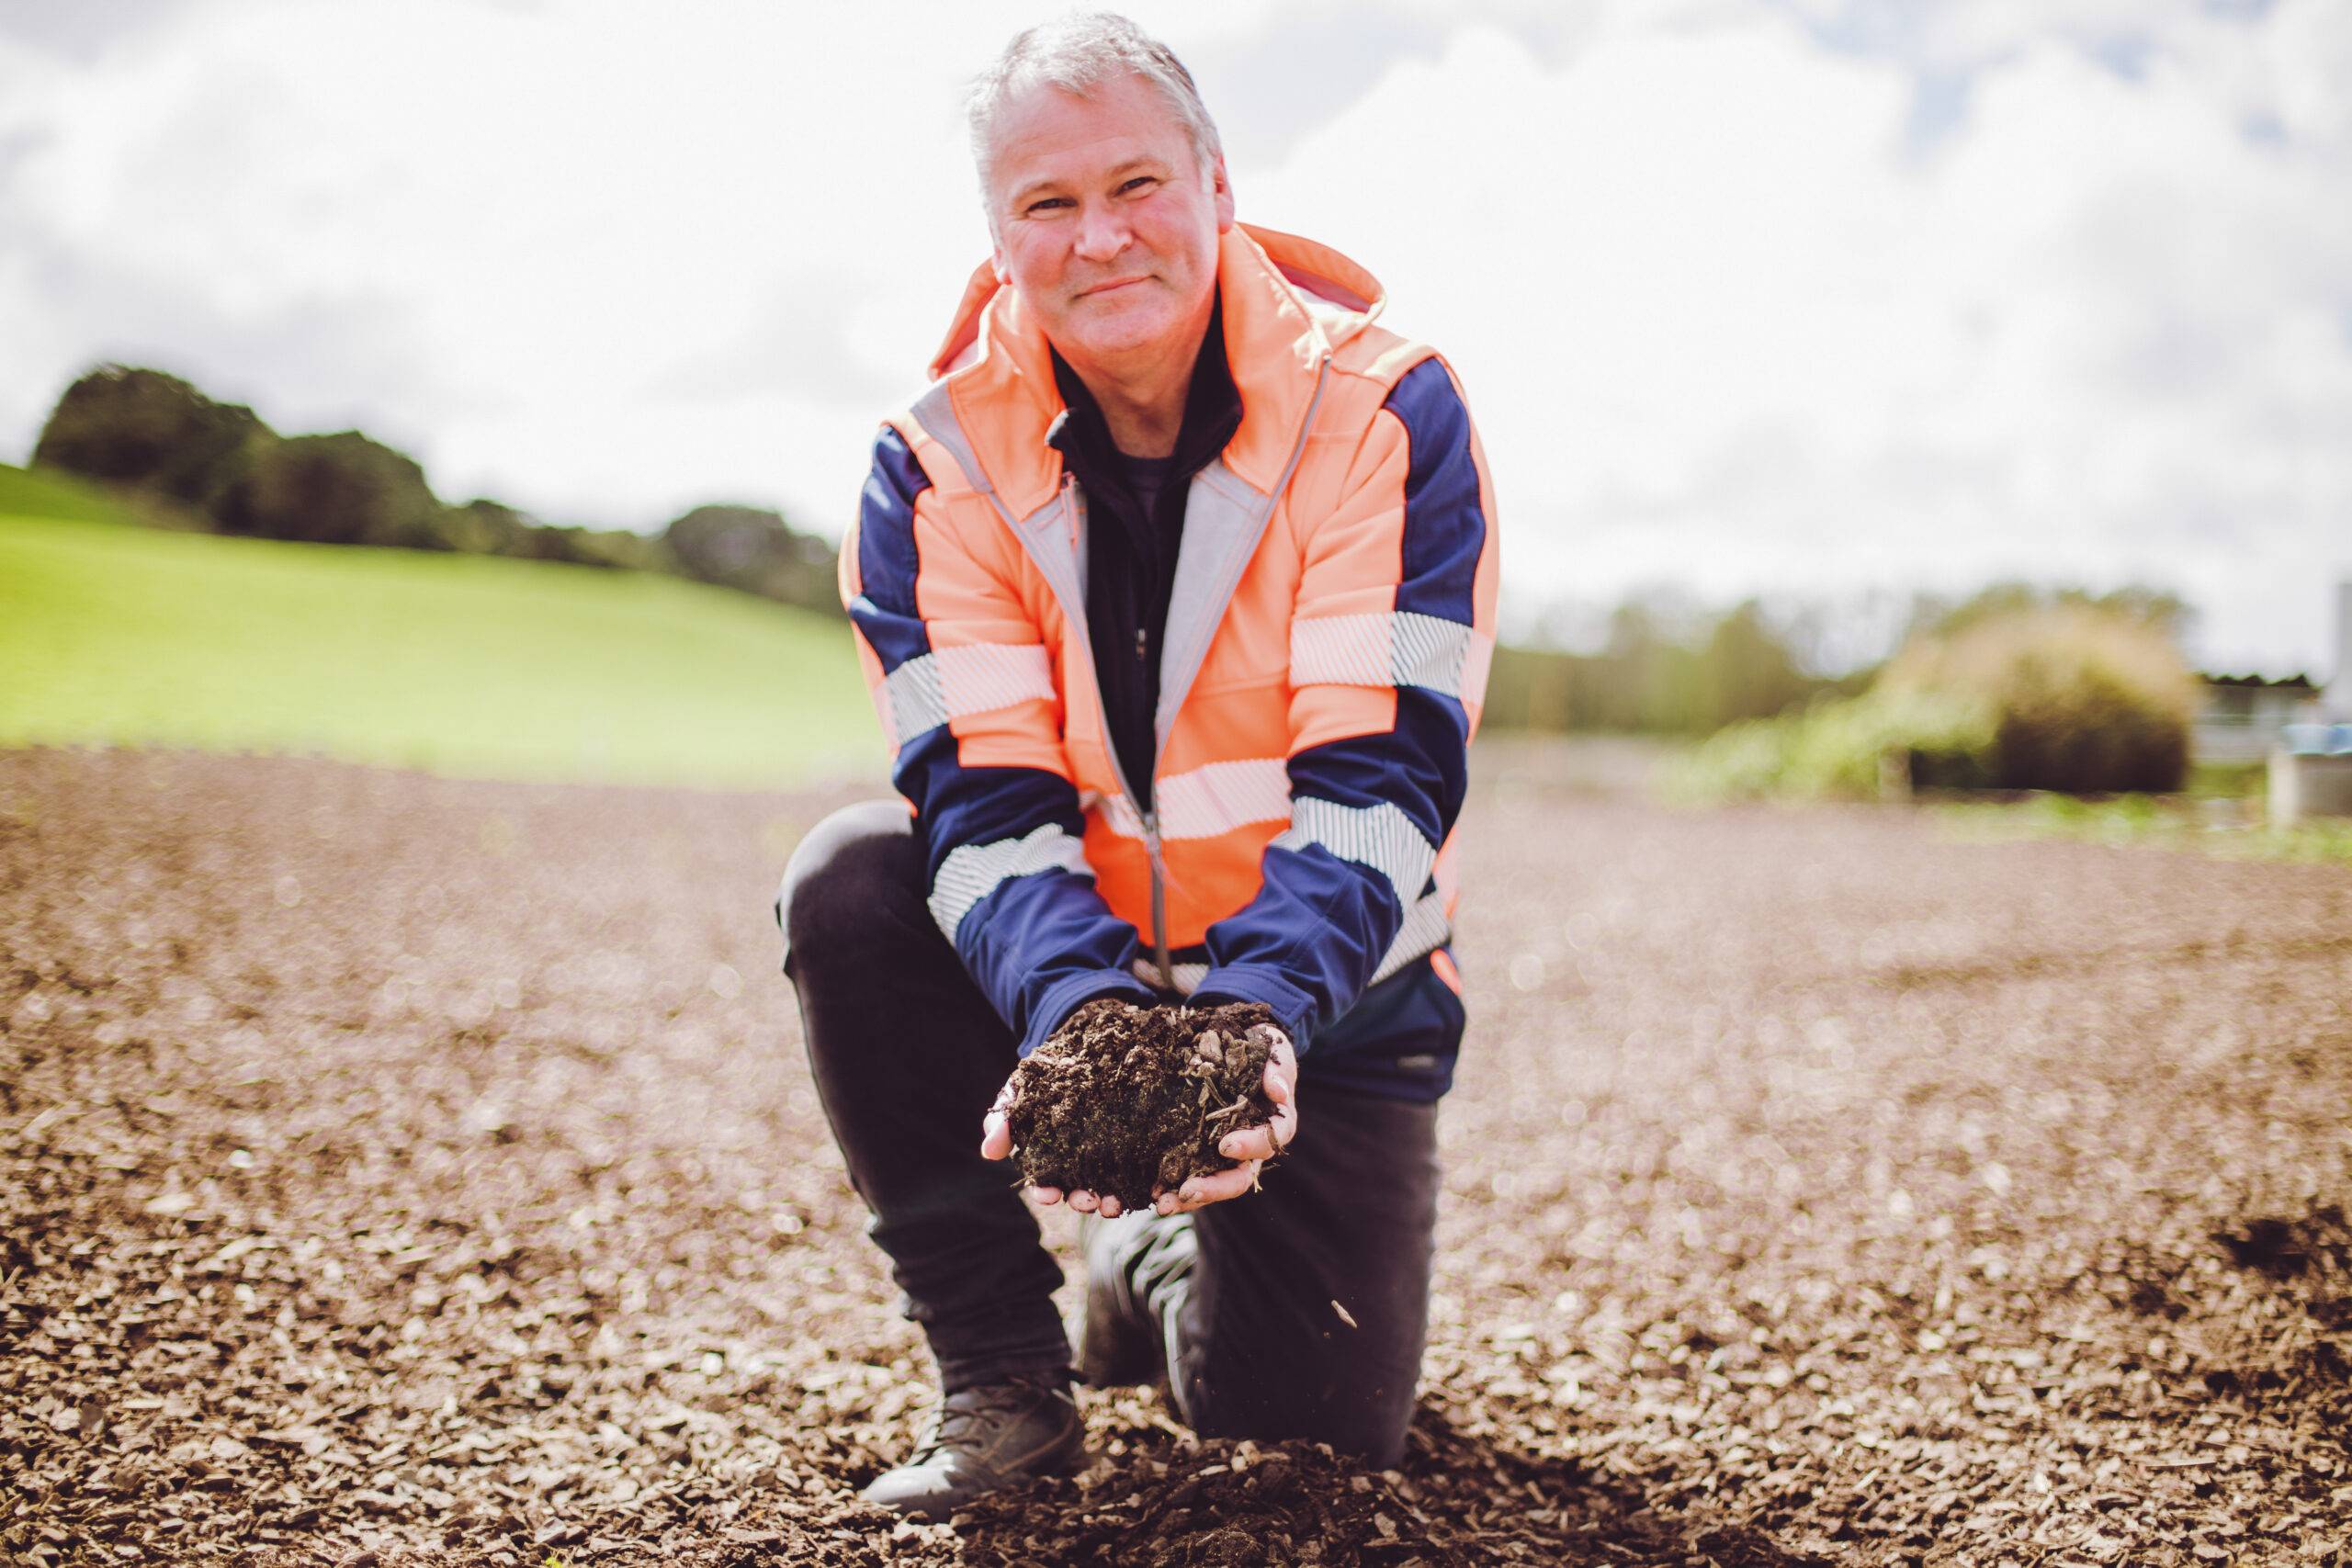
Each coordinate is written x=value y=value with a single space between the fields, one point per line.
x=1112 y=287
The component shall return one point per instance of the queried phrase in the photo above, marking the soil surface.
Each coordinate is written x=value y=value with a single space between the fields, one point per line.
x=403 y=1172
x=1127 y=1102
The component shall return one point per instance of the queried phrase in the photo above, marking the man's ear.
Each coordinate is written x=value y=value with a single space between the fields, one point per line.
x=1221 y=189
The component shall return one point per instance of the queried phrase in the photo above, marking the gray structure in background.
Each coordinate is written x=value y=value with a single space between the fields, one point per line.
x=2310 y=768
x=2244 y=718
x=2338 y=702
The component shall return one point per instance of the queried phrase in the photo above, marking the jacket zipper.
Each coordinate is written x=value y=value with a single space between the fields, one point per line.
x=1159 y=898
x=1151 y=818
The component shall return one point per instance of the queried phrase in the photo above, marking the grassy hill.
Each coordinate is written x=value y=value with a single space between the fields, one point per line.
x=112 y=634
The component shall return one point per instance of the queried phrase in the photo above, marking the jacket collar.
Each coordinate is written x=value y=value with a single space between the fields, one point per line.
x=1287 y=303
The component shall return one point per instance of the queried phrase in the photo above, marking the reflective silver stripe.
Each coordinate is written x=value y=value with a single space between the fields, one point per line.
x=1381 y=837
x=1188 y=976
x=1202 y=802
x=1224 y=520
x=935 y=411
x=1427 y=928
x=1402 y=648
x=956 y=682
x=1051 y=534
x=916 y=705
x=982 y=677
x=1119 y=814
x=972 y=872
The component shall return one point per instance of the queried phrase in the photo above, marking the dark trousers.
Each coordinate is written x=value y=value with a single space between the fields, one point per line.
x=1298 y=1311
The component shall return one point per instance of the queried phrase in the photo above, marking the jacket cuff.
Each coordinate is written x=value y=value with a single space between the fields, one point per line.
x=1065 y=997
x=1292 y=1008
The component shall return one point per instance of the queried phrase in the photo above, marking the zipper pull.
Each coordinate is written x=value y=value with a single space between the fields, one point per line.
x=1143 y=646
x=1158 y=899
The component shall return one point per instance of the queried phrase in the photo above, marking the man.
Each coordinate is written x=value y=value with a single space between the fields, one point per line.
x=1175 y=591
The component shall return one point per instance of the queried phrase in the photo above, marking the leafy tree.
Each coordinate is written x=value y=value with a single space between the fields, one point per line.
x=151 y=431
x=1664 y=668
x=342 y=489
x=619 y=550
x=754 y=550
x=2159 y=609
x=1746 y=671
x=482 y=527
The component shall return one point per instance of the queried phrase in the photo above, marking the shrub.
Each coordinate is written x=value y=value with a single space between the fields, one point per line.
x=2083 y=700
x=2069 y=697
x=1839 y=749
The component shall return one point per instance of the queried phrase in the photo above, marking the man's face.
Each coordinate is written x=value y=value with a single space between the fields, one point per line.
x=1105 y=222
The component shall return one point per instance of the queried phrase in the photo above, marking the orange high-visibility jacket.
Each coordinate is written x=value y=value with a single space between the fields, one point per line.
x=1328 y=634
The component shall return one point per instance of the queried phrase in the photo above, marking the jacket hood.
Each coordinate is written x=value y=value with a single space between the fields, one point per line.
x=1288 y=303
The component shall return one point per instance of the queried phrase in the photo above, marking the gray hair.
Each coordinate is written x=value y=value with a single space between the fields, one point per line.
x=1079 y=53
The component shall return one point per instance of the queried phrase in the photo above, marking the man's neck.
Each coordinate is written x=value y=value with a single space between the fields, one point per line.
x=1142 y=399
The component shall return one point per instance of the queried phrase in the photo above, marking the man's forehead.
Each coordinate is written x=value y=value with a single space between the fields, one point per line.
x=1047 y=132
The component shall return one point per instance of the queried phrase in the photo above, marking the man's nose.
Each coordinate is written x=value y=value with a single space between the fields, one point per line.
x=1102 y=233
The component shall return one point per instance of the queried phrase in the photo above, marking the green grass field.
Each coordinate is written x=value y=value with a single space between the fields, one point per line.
x=117 y=635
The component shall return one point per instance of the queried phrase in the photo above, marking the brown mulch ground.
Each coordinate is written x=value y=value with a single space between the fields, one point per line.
x=395 y=1170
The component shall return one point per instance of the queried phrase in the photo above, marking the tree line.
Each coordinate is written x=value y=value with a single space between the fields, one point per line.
x=1659 y=666
x=218 y=466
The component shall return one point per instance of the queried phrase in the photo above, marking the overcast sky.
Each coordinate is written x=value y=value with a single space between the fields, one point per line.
x=1795 y=297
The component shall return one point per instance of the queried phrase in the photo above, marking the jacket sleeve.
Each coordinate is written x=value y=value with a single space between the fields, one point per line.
x=964 y=683
x=1390 y=643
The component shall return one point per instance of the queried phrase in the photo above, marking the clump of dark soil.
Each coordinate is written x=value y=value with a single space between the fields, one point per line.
x=1126 y=1101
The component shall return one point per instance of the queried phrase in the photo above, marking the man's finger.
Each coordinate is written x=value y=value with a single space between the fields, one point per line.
x=1202 y=1190
x=1253 y=1142
x=1045 y=1197
x=1083 y=1203
x=1281 y=1071
x=996 y=1136
x=1108 y=1208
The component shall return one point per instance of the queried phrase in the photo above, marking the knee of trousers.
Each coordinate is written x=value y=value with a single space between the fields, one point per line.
x=1360 y=1408
x=844 y=883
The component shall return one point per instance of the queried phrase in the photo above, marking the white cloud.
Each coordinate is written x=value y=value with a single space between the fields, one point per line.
x=1724 y=324
x=1727 y=318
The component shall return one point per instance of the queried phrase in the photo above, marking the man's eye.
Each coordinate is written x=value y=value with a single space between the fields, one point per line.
x=1139 y=180
x=1050 y=201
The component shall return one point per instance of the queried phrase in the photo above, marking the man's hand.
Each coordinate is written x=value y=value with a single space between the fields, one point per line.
x=1252 y=1147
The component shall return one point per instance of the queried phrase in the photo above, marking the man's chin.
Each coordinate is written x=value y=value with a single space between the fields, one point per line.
x=1127 y=332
